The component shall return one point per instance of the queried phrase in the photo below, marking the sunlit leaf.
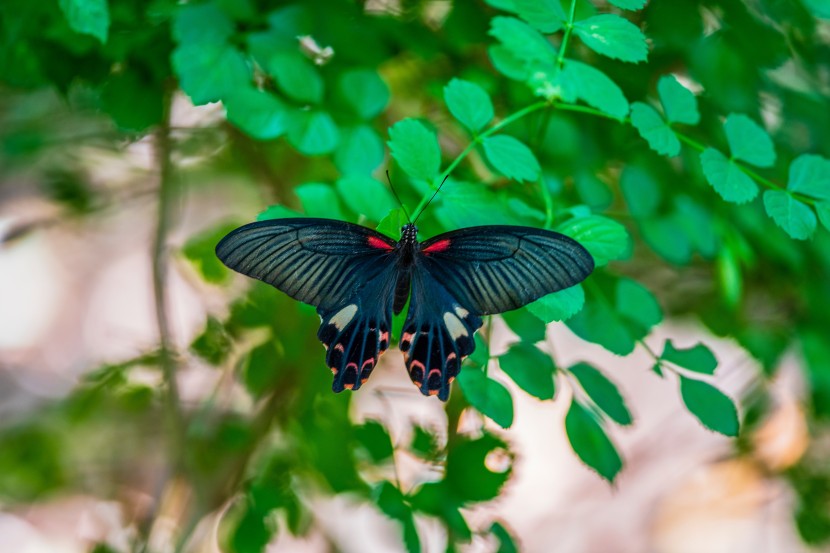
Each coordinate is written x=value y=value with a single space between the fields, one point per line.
x=710 y=406
x=88 y=17
x=523 y=41
x=810 y=175
x=657 y=133
x=366 y=196
x=591 y=443
x=415 y=149
x=726 y=177
x=698 y=358
x=679 y=103
x=559 y=306
x=319 y=200
x=545 y=15
x=795 y=217
x=602 y=392
x=258 y=113
x=313 y=132
x=748 y=141
x=511 y=158
x=489 y=397
x=468 y=103
x=360 y=151
x=613 y=36
x=530 y=368
x=591 y=85
x=604 y=238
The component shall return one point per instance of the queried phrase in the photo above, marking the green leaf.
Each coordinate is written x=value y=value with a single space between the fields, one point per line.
x=506 y=542
x=591 y=443
x=366 y=196
x=319 y=200
x=262 y=368
x=638 y=305
x=415 y=149
x=657 y=133
x=201 y=23
x=713 y=408
x=698 y=358
x=597 y=322
x=375 y=440
x=810 y=175
x=391 y=224
x=593 y=191
x=251 y=534
x=613 y=36
x=468 y=103
x=209 y=72
x=359 y=152
x=640 y=190
x=582 y=81
x=487 y=396
x=629 y=4
x=423 y=442
x=530 y=368
x=87 y=17
x=133 y=103
x=213 y=344
x=522 y=41
x=511 y=158
x=391 y=501
x=364 y=91
x=602 y=392
x=823 y=211
x=277 y=211
x=668 y=238
x=545 y=15
x=313 y=132
x=296 y=76
x=559 y=306
x=795 y=217
x=201 y=251
x=605 y=239
x=727 y=178
x=527 y=326
x=468 y=476
x=258 y=113
x=748 y=141
x=507 y=64
x=819 y=8
x=679 y=103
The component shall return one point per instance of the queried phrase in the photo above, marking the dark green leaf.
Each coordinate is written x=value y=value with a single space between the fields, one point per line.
x=360 y=151
x=598 y=323
x=602 y=392
x=545 y=15
x=364 y=91
x=712 y=408
x=415 y=149
x=629 y=4
x=88 y=17
x=319 y=200
x=375 y=440
x=469 y=475
x=613 y=36
x=251 y=534
x=634 y=302
x=201 y=23
x=366 y=196
x=262 y=368
x=506 y=542
x=657 y=133
x=679 y=103
x=526 y=325
x=277 y=212
x=590 y=442
x=698 y=358
x=559 y=306
x=593 y=191
x=391 y=501
x=468 y=103
x=210 y=72
x=201 y=251
x=258 y=113
x=668 y=237
x=511 y=158
x=313 y=132
x=423 y=442
x=604 y=238
x=810 y=175
x=726 y=177
x=521 y=40
x=530 y=368
x=795 y=217
x=640 y=190
x=213 y=344
x=584 y=82
x=133 y=104
x=296 y=76
x=748 y=141
x=823 y=211
x=489 y=397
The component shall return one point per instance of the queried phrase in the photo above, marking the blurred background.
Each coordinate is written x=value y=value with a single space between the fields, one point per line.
x=152 y=401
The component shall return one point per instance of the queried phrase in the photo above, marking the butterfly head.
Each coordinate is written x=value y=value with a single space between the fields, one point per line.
x=409 y=233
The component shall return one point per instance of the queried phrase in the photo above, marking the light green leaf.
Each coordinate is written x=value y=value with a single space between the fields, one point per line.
x=468 y=103
x=668 y=238
x=699 y=226
x=201 y=23
x=296 y=76
x=258 y=113
x=209 y=72
x=313 y=132
x=613 y=36
x=545 y=15
x=391 y=224
x=638 y=305
x=415 y=149
x=748 y=141
x=602 y=392
x=591 y=85
x=507 y=64
x=640 y=190
x=698 y=358
x=591 y=443
x=823 y=210
x=657 y=133
x=629 y=4
x=605 y=239
x=360 y=151
x=810 y=175
x=795 y=217
x=710 y=406
x=560 y=305
x=525 y=324
x=521 y=40
x=726 y=177
x=506 y=5
x=87 y=17
x=319 y=200
x=277 y=211
x=200 y=250
x=366 y=196
x=511 y=158
x=530 y=368
x=679 y=103
x=487 y=396
x=593 y=191
x=364 y=91
x=819 y=8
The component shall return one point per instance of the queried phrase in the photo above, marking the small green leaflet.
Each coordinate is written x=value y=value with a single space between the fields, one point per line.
x=823 y=210
x=530 y=368
x=810 y=175
x=375 y=440
x=415 y=149
x=313 y=132
x=258 y=113
x=726 y=177
x=710 y=406
x=640 y=190
x=795 y=217
x=748 y=141
x=591 y=443
x=629 y=4
x=296 y=76
x=679 y=103
x=657 y=133
x=637 y=304
x=605 y=239
x=489 y=397
x=559 y=306
x=366 y=196
x=506 y=542
x=209 y=72
x=469 y=104
x=602 y=392
x=545 y=15
x=698 y=358
x=521 y=40
x=277 y=211
x=581 y=81
x=319 y=200
x=364 y=91
x=613 y=36
x=511 y=158
x=507 y=64
x=392 y=502
x=525 y=324
x=88 y=17
x=360 y=151
x=205 y=23
x=391 y=224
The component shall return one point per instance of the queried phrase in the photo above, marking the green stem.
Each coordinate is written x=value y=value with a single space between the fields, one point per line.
x=568 y=28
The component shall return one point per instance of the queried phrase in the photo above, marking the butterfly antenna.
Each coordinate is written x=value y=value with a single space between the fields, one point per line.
x=430 y=200
x=397 y=197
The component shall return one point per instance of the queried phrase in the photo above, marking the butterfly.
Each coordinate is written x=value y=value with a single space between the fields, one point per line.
x=358 y=278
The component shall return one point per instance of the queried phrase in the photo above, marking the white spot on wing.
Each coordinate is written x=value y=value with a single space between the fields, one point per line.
x=461 y=312
x=343 y=317
x=454 y=325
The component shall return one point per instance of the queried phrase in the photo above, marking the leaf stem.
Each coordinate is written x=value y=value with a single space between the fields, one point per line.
x=569 y=25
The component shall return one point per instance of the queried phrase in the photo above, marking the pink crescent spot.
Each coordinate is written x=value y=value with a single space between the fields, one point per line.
x=436 y=371
x=370 y=362
x=439 y=246
x=377 y=243
x=451 y=356
x=340 y=348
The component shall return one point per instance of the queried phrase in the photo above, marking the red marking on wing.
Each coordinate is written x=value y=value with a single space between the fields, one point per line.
x=439 y=246
x=375 y=242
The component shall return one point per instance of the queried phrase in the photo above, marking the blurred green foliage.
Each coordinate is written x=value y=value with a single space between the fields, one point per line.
x=717 y=171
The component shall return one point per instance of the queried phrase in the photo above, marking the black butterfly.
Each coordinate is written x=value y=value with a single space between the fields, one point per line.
x=357 y=278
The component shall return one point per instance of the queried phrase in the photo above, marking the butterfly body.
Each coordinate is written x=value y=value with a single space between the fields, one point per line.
x=358 y=278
